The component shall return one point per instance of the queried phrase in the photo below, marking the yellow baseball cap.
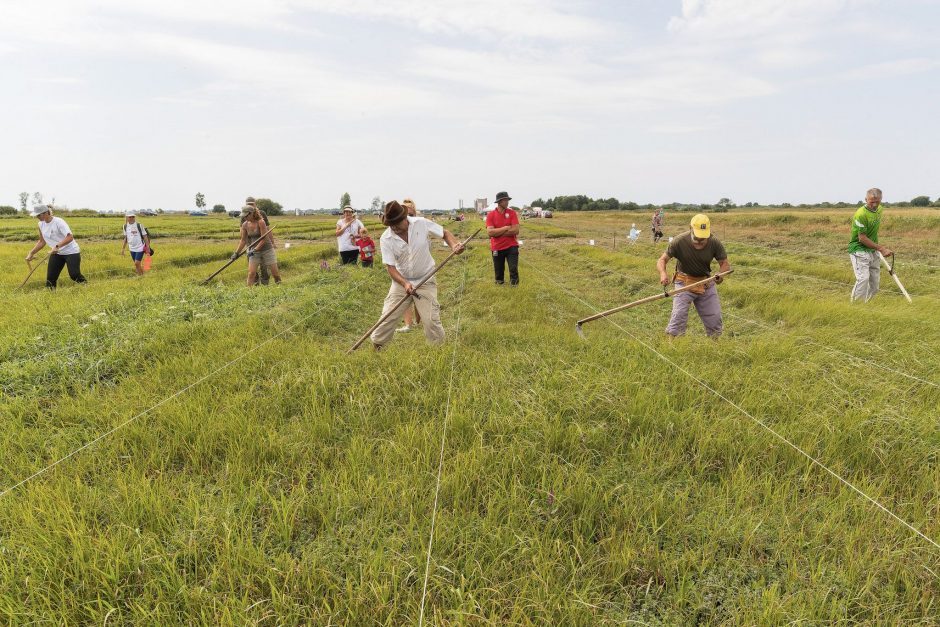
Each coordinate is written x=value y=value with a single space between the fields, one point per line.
x=701 y=226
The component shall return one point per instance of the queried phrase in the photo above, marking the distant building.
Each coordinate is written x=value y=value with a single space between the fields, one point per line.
x=480 y=204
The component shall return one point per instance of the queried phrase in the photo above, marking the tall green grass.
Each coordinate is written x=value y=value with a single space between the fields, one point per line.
x=584 y=481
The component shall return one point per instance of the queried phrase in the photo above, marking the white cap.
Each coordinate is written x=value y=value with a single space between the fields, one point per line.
x=129 y=213
x=38 y=210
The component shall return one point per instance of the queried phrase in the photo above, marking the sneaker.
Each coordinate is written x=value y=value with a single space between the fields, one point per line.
x=403 y=329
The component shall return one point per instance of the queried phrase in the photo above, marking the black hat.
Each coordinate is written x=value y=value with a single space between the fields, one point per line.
x=502 y=196
x=394 y=213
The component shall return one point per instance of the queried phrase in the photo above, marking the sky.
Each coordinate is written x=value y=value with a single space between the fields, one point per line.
x=117 y=104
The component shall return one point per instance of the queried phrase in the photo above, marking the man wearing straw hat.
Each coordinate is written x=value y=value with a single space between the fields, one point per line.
x=694 y=252
x=55 y=233
x=407 y=258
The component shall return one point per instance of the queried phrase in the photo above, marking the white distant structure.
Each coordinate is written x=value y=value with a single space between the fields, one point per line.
x=537 y=212
x=480 y=205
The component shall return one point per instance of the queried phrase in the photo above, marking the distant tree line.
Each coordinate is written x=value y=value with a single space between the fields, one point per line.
x=581 y=202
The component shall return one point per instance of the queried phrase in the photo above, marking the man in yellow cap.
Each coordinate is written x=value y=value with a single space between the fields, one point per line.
x=694 y=252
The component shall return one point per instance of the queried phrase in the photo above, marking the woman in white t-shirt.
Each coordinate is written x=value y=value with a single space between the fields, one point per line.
x=136 y=239
x=65 y=252
x=347 y=228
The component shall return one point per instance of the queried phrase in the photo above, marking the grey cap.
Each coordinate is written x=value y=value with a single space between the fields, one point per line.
x=250 y=200
x=38 y=210
x=247 y=210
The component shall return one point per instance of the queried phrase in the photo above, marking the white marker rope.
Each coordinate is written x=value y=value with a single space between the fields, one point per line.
x=837 y=351
x=767 y=427
x=171 y=397
x=440 y=463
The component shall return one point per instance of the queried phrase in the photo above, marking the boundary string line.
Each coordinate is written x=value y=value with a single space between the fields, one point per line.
x=764 y=425
x=169 y=398
x=440 y=463
x=835 y=350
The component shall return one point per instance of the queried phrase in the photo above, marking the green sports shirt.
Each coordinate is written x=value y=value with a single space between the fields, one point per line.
x=865 y=222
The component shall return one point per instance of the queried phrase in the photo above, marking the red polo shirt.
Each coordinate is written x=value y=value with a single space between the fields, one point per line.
x=496 y=219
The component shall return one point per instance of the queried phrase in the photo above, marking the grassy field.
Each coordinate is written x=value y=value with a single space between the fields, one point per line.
x=216 y=458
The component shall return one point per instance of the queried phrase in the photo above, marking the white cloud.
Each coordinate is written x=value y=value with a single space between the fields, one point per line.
x=59 y=80
x=752 y=18
x=893 y=69
x=525 y=18
x=243 y=71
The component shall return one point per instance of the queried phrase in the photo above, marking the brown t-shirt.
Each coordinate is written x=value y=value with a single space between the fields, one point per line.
x=695 y=262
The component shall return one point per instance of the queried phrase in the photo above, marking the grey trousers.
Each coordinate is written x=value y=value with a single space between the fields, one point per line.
x=867 y=267
x=707 y=306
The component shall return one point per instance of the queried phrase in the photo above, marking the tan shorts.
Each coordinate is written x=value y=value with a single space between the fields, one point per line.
x=266 y=257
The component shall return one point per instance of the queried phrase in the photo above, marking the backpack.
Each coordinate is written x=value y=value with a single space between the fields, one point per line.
x=141 y=230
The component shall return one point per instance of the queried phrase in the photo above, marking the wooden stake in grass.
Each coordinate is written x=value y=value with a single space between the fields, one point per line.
x=648 y=299
x=231 y=261
x=32 y=269
x=407 y=296
x=894 y=276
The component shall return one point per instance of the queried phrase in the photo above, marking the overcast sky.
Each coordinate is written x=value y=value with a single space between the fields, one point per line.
x=116 y=104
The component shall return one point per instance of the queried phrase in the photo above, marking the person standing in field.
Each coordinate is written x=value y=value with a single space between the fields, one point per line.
x=864 y=247
x=407 y=257
x=502 y=225
x=412 y=317
x=55 y=233
x=263 y=276
x=366 y=248
x=694 y=252
x=136 y=239
x=263 y=252
x=346 y=229
x=657 y=228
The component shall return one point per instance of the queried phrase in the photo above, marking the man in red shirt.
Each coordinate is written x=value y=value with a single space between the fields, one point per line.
x=502 y=225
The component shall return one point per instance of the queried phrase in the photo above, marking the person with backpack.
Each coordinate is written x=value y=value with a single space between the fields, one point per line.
x=137 y=240
x=55 y=233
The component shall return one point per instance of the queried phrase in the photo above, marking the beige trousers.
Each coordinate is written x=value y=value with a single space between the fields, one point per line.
x=428 y=308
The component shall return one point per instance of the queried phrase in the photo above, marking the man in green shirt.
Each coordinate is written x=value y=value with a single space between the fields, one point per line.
x=864 y=247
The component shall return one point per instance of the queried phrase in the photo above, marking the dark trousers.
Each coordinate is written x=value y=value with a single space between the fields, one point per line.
x=500 y=257
x=57 y=262
x=367 y=263
x=348 y=256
